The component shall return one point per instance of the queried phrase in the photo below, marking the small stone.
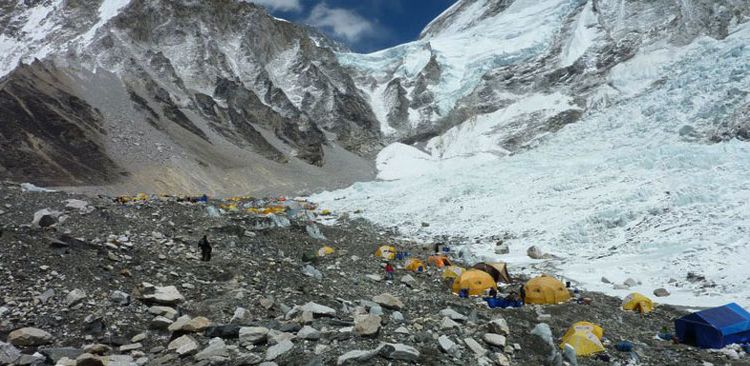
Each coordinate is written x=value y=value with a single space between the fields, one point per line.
x=165 y=311
x=229 y=331
x=183 y=346
x=308 y=333
x=160 y=323
x=8 y=353
x=542 y=330
x=120 y=298
x=216 y=351
x=502 y=248
x=278 y=350
x=130 y=347
x=97 y=349
x=74 y=297
x=569 y=355
x=501 y=359
x=166 y=295
x=402 y=330
x=318 y=310
x=241 y=316
x=140 y=337
x=606 y=280
x=321 y=349
x=357 y=357
x=311 y=271
x=374 y=277
x=618 y=286
x=186 y=324
x=493 y=339
x=475 y=347
x=661 y=292
x=408 y=280
x=366 y=325
x=88 y=359
x=388 y=301
x=630 y=282
x=397 y=317
x=57 y=353
x=45 y=218
x=266 y=303
x=29 y=337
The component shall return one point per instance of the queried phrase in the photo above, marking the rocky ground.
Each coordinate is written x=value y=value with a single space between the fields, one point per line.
x=101 y=283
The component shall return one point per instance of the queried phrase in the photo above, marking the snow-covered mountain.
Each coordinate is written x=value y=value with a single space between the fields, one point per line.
x=613 y=134
x=172 y=95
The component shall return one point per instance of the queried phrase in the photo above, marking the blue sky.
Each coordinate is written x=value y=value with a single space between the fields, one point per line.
x=364 y=25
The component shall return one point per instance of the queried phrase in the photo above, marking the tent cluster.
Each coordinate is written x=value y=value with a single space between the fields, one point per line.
x=143 y=198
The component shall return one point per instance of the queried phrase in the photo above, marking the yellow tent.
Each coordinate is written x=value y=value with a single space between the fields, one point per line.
x=386 y=251
x=585 y=327
x=452 y=272
x=414 y=265
x=584 y=342
x=477 y=282
x=638 y=302
x=324 y=251
x=545 y=290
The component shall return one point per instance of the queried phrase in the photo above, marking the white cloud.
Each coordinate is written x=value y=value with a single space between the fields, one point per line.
x=283 y=5
x=342 y=23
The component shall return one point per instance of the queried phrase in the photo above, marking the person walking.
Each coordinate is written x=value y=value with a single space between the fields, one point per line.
x=205 y=249
x=389 y=271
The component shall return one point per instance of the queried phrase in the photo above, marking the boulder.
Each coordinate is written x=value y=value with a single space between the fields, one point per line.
x=160 y=323
x=388 y=301
x=278 y=350
x=453 y=315
x=493 y=339
x=29 y=337
x=318 y=310
x=120 y=298
x=8 y=353
x=74 y=297
x=229 y=331
x=186 y=324
x=408 y=280
x=165 y=295
x=241 y=316
x=543 y=331
x=446 y=344
x=499 y=326
x=400 y=352
x=183 y=346
x=357 y=357
x=366 y=325
x=661 y=292
x=475 y=347
x=447 y=323
x=309 y=333
x=45 y=218
x=534 y=252
x=216 y=351
x=253 y=335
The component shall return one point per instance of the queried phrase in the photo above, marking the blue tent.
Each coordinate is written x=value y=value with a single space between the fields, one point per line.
x=714 y=328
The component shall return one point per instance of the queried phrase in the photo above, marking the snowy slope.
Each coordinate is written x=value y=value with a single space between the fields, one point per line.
x=632 y=190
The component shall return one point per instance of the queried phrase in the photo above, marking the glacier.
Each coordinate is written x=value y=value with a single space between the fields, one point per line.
x=627 y=191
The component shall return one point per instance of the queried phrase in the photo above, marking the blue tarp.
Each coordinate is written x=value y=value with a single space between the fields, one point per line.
x=715 y=327
x=493 y=302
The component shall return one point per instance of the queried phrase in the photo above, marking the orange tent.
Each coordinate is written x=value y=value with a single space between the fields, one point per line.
x=439 y=261
x=545 y=290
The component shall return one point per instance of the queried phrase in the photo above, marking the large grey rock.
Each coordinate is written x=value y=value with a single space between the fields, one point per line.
x=401 y=352
x=475 y=347
x=534 y=252
x=366 y=325
x=356 y=357
x=453 y=315
x=216 y=351
x=661 y=292
x=29 y=337
x=309 y=333
x=318 y=310
x=8 y=353
x=446 y=344
x=183 y=346
x=499 y=326
x=388 y=301
x=165 y=295
x=543 y=331
x=74 y=297
x=253 y=335
x=278 y=350
x=493 y=339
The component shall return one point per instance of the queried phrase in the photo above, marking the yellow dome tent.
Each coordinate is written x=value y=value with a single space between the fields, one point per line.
x=325 y=251
x=452 y=272
x=414 y=265
x=386 y=251
x=477 y=282
x=585 y=338
x=545 y=290
x=638 y=302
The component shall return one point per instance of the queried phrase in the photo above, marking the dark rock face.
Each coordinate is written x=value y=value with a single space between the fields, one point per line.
x=47 y=134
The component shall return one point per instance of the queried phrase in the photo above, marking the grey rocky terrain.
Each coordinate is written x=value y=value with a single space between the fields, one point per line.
x=94 y=282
